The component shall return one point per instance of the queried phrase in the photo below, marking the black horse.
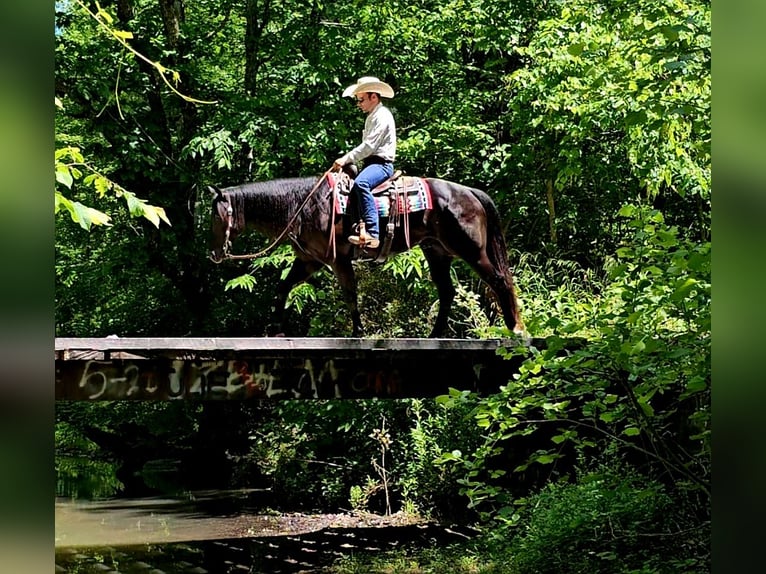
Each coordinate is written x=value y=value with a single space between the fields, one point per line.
x=461 y=222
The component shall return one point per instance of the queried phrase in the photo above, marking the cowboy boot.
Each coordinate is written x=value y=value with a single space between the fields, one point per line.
x=364 y=239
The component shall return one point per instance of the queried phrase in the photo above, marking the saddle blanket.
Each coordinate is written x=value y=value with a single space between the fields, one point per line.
x=418 y=194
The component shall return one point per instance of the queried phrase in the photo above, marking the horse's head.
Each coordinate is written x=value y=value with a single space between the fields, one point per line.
x=223 y=228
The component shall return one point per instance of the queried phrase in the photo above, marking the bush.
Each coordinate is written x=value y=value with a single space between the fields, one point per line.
x=432 y=488
x=610 y=521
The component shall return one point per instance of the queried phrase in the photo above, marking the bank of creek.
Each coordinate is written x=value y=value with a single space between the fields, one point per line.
x=224 y=532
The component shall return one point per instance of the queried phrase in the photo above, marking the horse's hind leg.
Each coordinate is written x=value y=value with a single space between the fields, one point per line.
x=299 y=272
x=439 y=263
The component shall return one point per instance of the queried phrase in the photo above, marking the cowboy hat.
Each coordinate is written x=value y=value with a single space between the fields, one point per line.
x=369 y=84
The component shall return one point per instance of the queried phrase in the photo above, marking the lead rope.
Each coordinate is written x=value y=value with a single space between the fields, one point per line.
x=286 y=229
x=406 y=215
x=333 y=207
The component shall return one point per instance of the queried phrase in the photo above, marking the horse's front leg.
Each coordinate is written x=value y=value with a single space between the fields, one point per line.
x=299 y=272
x=347 y=279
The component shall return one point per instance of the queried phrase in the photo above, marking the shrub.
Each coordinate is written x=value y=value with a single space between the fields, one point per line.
x=612 y=521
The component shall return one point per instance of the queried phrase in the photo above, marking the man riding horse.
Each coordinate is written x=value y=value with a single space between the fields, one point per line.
x=377 y=152
x=450 y=220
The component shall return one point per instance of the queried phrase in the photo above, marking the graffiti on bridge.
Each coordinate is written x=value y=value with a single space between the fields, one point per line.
x=226 y=379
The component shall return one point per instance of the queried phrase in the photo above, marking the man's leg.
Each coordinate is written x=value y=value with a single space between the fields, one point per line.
x=364 y=183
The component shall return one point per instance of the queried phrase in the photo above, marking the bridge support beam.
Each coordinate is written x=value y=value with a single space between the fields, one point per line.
x=277 y=368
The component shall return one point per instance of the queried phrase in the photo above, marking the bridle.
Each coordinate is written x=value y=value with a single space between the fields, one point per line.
x=227 y=235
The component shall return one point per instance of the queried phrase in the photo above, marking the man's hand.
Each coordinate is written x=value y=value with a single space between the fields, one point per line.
x=336 y=166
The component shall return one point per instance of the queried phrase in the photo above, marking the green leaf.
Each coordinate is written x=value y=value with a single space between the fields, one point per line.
x=666 y=238
x=632 y=348
x=546 y=458
x=87 y=216
x=59 y=202
x=135 y=205
x=64 y=176
x=646 y=406
x=627 y=210
x=608 y=416
x=443 y=399
x=102 y=185
x=631 y=431
x=246 y=282
x=696 y=384
x=683 y=287
x=101 y=13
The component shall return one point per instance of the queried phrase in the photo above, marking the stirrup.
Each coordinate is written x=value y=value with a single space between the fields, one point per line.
x=365 y=242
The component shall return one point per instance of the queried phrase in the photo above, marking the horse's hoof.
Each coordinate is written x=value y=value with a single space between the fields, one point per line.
x=523 y=335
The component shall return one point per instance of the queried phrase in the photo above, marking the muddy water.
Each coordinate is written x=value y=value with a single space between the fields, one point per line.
x=201 y=516
x=222 y=532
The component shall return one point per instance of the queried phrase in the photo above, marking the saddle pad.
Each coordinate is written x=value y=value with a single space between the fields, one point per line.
x=418 y=196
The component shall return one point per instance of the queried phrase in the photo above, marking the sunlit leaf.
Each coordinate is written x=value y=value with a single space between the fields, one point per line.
x=246 y=282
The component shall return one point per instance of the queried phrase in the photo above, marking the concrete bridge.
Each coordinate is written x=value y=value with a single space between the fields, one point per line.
x=278 y=368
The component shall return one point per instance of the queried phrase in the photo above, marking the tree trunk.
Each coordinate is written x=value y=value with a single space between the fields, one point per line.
x=257 y=14
x=173 y=15
x=551 y=210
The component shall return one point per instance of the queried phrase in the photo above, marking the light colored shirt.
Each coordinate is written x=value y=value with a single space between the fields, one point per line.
x=378 y=137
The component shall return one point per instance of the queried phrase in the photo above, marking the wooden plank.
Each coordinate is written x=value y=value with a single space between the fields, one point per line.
x=156 y=345
x=275 y=368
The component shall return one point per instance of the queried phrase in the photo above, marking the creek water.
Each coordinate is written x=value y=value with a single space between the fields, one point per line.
x=222 y=531
x=206 y=515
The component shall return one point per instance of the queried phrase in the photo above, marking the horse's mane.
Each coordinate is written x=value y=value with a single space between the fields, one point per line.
x=272 y=202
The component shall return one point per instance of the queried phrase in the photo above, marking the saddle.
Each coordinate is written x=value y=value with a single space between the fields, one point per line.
x=395 y=198
x=386 y=185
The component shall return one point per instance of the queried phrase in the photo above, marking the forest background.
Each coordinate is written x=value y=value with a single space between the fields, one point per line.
x=589 y=125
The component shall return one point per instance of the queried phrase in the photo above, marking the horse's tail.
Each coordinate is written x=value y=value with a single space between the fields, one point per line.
x=497 y=252
x=497 y=249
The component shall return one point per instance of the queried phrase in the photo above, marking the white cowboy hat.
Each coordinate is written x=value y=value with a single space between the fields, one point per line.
x=369 y=84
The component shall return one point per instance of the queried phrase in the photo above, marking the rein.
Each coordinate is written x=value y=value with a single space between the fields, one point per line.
x=230 y=219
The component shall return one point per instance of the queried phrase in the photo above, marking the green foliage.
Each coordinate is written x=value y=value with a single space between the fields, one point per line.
x=359 y=496
x=246 y=282
x=613 y=520
x=640 y=71
x=436 y=430
x=639 y=386
x=66 y=175
x=94 y=441
x=612 y=104
x=80 y=471
x=301 y=298
x=409 y=266
x=319 y=455
x=219 y=144
x=314 y=453
x=610 y=521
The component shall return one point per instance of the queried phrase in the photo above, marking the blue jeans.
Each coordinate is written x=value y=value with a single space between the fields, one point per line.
x=365 y=182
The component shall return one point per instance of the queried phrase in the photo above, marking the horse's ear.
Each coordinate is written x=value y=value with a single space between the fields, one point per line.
x=215 y=192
